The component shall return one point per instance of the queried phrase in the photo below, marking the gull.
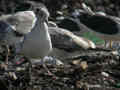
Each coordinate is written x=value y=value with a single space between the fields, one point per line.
x=15 y=26
x=103 y=26
x=64 y=38
x=37 y=44
x=66 y=43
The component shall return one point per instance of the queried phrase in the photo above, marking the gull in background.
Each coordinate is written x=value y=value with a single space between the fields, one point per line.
x=14 y=27
x=102 y=25
x=60 y=32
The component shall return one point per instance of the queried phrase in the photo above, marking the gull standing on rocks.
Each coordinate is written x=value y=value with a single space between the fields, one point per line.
x=37 y=44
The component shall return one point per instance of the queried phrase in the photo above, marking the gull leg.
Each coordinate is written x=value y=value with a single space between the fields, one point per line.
x=111 y=43
x=45 y=67
x=8 y=52
x=29 y=68
x=48 y=71
x=106 y=44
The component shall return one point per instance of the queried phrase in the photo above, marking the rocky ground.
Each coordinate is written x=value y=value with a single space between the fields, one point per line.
x=90 y=70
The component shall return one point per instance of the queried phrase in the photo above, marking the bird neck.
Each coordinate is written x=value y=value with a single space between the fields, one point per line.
x=40 y=30
x=42 y=27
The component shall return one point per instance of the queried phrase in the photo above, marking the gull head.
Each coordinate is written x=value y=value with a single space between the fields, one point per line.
x=42 y=13
x=40 y=10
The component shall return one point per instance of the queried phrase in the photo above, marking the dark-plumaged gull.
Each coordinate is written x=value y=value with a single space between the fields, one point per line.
x=105 y=27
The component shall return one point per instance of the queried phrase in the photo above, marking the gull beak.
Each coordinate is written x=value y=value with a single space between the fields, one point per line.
x=46 y=20
x=13 y=27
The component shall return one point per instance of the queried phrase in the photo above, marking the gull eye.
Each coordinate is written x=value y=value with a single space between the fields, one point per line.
x=37 y=10
x=17 y=34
